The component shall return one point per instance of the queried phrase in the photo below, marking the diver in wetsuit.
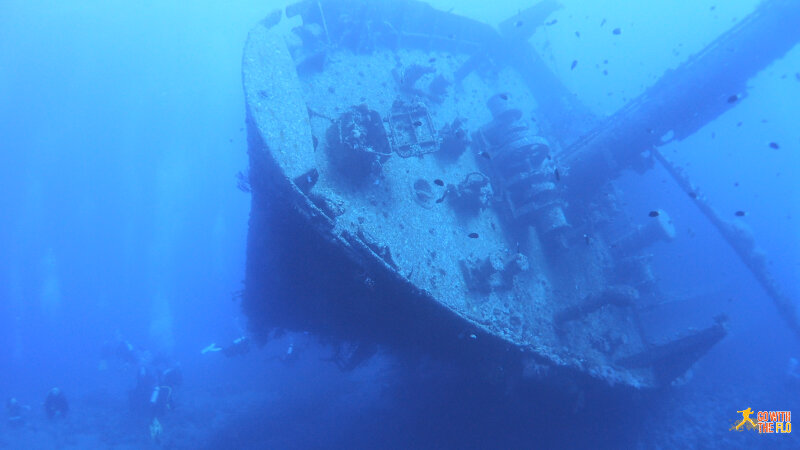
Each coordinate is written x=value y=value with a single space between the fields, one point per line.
x=153 y=391
x=242 y=345
x=239 y=346
x=152 y=396
x=55 y=404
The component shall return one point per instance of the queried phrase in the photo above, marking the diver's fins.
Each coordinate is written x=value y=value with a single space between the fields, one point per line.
x=212 y=347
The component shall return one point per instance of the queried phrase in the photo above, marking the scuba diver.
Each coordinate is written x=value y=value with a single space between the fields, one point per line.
x=239 y=346
x=15 y=409
x=242 y=345
x=156 y=376
x=161 y=399
x=55 y=404
x=153 y=393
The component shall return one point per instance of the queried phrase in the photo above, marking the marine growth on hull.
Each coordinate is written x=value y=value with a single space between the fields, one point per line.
x=449 y=165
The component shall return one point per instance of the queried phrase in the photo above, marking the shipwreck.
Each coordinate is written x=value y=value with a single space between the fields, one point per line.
x=421 y=181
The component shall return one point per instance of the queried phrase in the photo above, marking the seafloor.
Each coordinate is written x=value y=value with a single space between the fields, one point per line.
x=263 y=400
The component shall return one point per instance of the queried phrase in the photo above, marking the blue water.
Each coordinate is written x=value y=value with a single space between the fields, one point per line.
x=121 y=133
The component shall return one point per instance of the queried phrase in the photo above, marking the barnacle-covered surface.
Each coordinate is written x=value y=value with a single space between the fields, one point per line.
x=405 y=193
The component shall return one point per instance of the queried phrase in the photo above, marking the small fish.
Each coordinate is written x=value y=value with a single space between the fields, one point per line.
x=473 y=235
x=653 y=214
x=417 y=123
x=733 y=98
x=740 y=213
x=774 y=145
x=552 y=22
x=438 y=182
x=574 y=63
x=587 y=238
x=693 y=195
x=578 y=34
x=432 y=60
x=616 y=31
x=603 y=22
x=485 y=155
x=504 y=96
x=518 y=23
x=736 y=184
x=558 y=175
